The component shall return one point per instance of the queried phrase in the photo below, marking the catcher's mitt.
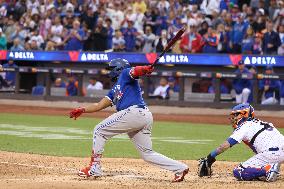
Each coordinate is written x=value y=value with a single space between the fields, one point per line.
x=204 y=167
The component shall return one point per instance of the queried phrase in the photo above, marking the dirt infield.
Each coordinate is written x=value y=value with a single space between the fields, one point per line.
x=37 y=171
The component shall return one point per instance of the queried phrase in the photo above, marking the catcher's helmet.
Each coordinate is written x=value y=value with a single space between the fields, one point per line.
x=241 y=113
x=116 y=66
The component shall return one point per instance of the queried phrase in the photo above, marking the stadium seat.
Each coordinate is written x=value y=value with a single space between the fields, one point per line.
x=199 y=97
x=96 y=93
x=57 y=91
x=38 y=90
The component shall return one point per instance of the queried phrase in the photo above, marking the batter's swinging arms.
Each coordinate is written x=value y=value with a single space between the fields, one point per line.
x=132 y=117
x=262 y=137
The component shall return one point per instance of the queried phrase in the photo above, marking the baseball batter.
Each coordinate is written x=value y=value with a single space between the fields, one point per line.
x=132 y=117
x=262 y=137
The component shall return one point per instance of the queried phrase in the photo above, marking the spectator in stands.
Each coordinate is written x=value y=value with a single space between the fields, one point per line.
x=191 y=42
x=162 y=42
x=35 y=36
x=56 y=31
x=248 y=41
x=257 y=44
x=148 y=40
x=139 y=5
x=19 y=33
x=173 y=86
x=271 y=40
x=210 y=41
x=10 y=77
x=221 y=35
x=139 y=20
x=208 y=6
x=74 y=37
x=94 y=84
x=50 y=46
x=242 y=86
x=72 y=86
x=163 y=5
x=270 y=88
x=162 y=90
x=59 y=83
x=259 y=21
x=3 y=40
x=253 y=70
x=10 y=28
x=158 y=22
x=281 y=35
x=3 y=82
x=204 y=27
x=89 y=18
x=129 y=34
x=238 y=33
x=33 y=45
x=17 y=46
x=118 y=42
x=110 y=33
x=282 y=93
x=115 y=14
x=98 y=38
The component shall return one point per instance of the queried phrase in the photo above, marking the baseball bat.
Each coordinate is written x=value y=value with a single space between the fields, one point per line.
x=170 y=44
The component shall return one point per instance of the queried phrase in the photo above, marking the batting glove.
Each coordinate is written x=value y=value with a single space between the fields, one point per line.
x=75 y=113
x=141 y=70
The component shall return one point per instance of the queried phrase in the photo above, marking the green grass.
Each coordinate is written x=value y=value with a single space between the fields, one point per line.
x=39 y=134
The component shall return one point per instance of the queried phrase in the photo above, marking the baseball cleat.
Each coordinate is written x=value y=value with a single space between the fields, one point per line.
x=91 y=171
x=180 y=176
x=273 y=172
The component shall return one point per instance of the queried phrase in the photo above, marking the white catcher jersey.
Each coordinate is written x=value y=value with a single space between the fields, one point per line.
x=269 y=138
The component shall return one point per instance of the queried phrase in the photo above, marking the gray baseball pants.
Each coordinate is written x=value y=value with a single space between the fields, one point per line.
x=137 y=123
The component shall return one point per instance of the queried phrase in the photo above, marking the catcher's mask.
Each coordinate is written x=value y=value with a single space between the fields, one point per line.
x=240 y=114
x=116 y=66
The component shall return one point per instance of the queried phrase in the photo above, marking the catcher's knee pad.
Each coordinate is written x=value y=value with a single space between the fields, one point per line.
x=248 y=173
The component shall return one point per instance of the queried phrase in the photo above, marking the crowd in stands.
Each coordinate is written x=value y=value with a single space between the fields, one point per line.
x=213 y=26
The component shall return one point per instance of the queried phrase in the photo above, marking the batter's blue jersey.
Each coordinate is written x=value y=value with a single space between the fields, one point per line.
x=126 y=91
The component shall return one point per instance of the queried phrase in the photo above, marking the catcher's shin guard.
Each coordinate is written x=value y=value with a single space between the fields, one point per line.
x=249 y=173
x=94 y=168
x=180 y=176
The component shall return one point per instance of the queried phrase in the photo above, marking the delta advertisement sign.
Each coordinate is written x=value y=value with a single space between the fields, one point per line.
x=176 y=59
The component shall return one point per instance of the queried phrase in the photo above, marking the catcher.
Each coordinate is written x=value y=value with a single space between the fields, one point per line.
x=262 y=137
x=132 y=117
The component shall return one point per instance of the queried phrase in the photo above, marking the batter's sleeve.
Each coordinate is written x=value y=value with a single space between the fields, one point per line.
x=126 y=76
x=110 y=95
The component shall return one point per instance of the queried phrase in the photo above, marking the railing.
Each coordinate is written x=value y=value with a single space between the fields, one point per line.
x=181 y=96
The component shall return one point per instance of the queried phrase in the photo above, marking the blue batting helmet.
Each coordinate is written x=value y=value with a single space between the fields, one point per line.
x=116 y=66
x=241 y=113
